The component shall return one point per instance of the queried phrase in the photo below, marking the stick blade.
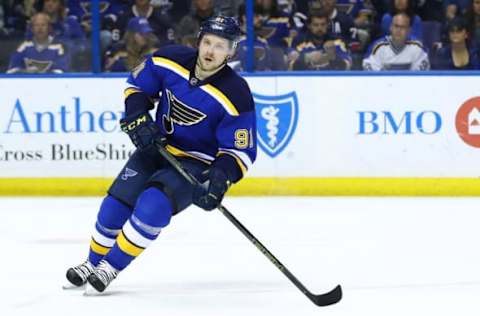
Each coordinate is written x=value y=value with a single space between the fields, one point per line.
x=329 y=298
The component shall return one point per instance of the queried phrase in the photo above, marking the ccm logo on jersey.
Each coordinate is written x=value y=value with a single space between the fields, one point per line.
x=130 y=127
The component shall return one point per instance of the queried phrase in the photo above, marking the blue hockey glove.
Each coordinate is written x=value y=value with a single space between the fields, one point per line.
x=142 y=130
x=210 y=198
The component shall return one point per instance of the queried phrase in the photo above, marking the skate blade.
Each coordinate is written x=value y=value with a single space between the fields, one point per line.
x=90 y=291
x=71 y=287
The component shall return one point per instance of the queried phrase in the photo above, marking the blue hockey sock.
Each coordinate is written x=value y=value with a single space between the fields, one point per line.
x=111 y=217
x=152 y=212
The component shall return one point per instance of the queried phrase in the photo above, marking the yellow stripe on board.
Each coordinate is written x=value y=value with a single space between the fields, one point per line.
x=55 y=186
x=126 y=246
x=264 y=186
x=96 y=247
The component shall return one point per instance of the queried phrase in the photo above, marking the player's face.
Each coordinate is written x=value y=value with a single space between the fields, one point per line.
x=213 y=51
x=318 y=26
x=400 y=28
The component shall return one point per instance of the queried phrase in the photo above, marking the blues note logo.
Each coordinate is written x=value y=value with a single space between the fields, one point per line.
x=276 y=121
x=129 y=173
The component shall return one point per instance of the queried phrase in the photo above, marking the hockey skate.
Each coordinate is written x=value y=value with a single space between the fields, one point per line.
x=78 y=275
x=102 y=276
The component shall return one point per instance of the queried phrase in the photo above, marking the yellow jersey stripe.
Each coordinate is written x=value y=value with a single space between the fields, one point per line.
x=221 y=98
x=127 y=246
x=173 y=66
x=239 y=161
x=180 y=153
x=130 y=91
x=210 y=89
x=97 y=248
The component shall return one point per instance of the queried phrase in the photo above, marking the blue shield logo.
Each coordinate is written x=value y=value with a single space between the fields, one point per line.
x=276 y=121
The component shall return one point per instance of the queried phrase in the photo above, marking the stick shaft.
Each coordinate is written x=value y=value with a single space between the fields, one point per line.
x=321 y=300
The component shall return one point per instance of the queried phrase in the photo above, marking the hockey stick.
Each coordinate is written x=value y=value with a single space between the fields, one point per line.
x=325 y=299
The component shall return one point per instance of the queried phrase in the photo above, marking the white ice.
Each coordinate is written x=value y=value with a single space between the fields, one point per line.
x=393 y=256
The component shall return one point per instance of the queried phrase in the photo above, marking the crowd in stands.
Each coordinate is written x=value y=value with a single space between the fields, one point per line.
x=54 y=36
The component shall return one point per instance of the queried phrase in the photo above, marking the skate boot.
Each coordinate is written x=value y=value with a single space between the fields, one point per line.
x=78 y=275
x=102 y=275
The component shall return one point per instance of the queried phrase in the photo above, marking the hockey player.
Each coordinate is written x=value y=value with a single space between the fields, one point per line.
x=205 y=117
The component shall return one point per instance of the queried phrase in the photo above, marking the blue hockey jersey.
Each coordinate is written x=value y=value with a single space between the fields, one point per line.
x=32 y=58
x=211 y=120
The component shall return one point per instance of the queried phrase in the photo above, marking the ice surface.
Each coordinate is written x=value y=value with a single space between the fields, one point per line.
x=393 y=256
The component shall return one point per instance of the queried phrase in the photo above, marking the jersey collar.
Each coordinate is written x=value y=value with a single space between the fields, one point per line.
x=194 y=81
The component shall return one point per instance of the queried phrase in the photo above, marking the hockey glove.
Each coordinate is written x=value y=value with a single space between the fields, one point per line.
x=210 y=198
x=142 y=130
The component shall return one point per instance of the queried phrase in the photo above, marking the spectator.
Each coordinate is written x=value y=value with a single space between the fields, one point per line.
x=452 y=11
x=262 y=53
x=473 y=22
x=460 y=6
x=397 y=51
x=276 y=25
x=317 y=49
x=64 y=28
x=431 y=10
x=108 y=9
x=165 y=6
x=402 y=6
x=340 y=25
x=3 y=30
x=158 y=20
x=457 y=55
x=138 y=42
x=176 y=10
x=17 y=13
x=42 y=54
x=228 y=7
x=189 y=26
x=109 y=12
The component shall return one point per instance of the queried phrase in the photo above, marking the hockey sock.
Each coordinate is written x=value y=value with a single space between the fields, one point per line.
x=111 y=217
x=152 y=212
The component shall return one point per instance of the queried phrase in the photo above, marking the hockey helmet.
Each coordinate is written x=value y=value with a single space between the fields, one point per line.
x=222 y=26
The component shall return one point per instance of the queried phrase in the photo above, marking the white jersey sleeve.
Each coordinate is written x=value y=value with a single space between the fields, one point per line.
x=373 y=62
x=421 y=62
